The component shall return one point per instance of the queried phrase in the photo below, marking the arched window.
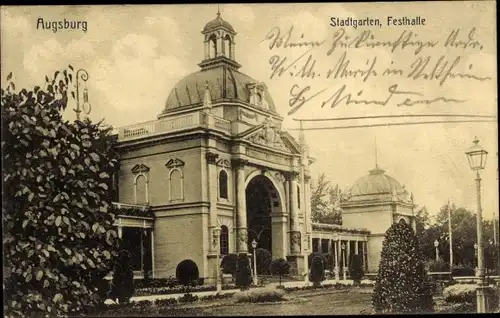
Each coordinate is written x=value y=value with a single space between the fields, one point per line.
x=213 y=46
x=176 y=185
x=298 y=197
x=227 y=46
x=141 y=192
x=224 y=240
x=223 y=184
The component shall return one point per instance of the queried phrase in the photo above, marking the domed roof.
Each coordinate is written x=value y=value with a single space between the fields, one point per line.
x=378 y=186
x=224 y=83
x=218 y=22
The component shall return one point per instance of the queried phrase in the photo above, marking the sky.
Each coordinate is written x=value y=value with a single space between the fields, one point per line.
x=135 y=55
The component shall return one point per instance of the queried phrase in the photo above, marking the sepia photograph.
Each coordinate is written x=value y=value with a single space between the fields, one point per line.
x=250 y=159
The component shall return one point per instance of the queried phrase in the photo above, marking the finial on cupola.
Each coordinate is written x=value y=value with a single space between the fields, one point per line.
x=207 y=100
x=218 y=11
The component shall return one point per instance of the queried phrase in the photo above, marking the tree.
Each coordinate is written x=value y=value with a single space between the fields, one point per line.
x=243 y=272
x=58 y=234
x=356 y=268
x=325 y=202
x=123 y=278
x=280 y=267
x=229 y=264
x=317 y=274
x=264 y=259
x=402 y=284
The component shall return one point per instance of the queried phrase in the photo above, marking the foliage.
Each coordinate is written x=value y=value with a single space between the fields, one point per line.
x=325 y=202
x=317 y=274
x=464 y=237
x=259 y=296
x=229 y=264
x=439 y=265
x=58 y=234
x=460 y=293
x=187 y=272
x=264 y=259
x=188 y=298
x=243 y=272
x=122 y=286
x=460 y=270
x=280 y=267
x=316 y=254
x=401 y=285
x=356 y=268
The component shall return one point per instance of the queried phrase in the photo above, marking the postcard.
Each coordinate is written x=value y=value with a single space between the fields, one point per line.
x=198 y=159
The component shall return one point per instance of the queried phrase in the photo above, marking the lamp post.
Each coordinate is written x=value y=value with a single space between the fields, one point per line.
x=306 y=259
x=254 y=246
x=450 y=236
x=436 y=244
x=82 y=74
x=343 y=261
x=475 y=256
x=477 y=161
x=217 y=262
x=336 y=268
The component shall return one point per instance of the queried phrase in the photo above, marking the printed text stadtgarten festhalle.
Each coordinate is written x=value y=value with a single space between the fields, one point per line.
x=391 y=21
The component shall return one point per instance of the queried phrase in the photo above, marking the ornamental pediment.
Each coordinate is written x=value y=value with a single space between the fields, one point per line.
x=174 y=163
x=266 y=134
x=138 y=168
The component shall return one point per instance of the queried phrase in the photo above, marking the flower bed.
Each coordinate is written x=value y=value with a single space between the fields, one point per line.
x=339 y=285
x=259 y=296
x=178 y=289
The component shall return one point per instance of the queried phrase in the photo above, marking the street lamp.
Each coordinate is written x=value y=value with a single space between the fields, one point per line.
x=436 y=244
x=216 y=242
x=82 y=74
x=343 y=261
x=477 y=161
x=336 y=269
x=254 y=246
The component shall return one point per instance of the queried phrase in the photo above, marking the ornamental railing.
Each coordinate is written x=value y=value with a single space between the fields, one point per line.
x=172 y=124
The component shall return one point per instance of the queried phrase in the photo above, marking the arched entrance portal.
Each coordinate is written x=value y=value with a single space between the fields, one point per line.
x=266 y=221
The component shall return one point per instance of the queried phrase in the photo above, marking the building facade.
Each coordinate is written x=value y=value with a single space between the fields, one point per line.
x=215 y=171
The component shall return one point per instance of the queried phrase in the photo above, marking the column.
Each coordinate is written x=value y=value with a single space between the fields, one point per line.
x=330 y=251
x=212 y=194
x=141 y=234
x=241 y=227
x=294 y=216
x=365 y=255
x=348 y=255
x=152 y=233
x=207 y=50
x=307 y=204
x=120 y=231
x=356 y=247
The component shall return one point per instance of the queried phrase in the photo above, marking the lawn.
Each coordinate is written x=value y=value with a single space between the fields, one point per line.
x=336 y=302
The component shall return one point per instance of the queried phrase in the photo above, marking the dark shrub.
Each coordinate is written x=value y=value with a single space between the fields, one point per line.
x=122 y=286
x=188 y=298
x=461 y=270
x=187 y=272
x=316 y=254
x=402 y=285
x=263 y=261
x=317 y=273
x=356 y=268
x=243 y=272
x=439 y=265
x=280 y=267
x=229 y=264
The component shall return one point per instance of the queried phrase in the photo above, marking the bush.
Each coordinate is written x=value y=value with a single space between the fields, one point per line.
x=280 y=267
x=264 y=259
x=317 y=274
x=461 y=270
x=188 y=298
x=57 y=227
x=229 y=264
x=259 y=296
x=187 y=272
x=122 y=286
x=356 y=268
x=460 y=293
x=243 y=272
x=402 y=285
x=316 y=254
x=439 y=265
